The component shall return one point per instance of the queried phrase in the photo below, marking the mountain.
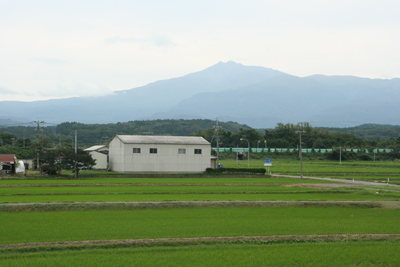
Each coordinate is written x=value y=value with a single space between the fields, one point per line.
x=256 y=96
x=321 y=100
x=141 y=102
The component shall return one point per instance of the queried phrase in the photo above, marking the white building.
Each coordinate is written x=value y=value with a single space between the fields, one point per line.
x=137 y=153
x=100 y=154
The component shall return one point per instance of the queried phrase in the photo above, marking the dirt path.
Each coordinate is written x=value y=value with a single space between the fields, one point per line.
x=195 y=202
x=355 y=182
x=169 y=184
x=198 y=240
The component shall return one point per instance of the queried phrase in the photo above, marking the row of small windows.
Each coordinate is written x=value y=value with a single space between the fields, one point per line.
x=137 y=150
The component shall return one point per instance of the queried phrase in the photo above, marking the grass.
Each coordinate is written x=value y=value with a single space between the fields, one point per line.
x=197 y=197
x=29 y=194
x=80 y=222
x=51 y=226
x=370 y=253
x=156 y=189
x=107 y=181
x=359 y=170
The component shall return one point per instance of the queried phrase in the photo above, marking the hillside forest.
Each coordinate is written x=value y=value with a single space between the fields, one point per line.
x=21 y=140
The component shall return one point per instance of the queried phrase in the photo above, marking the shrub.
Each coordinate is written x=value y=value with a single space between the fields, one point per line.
x=237 y=170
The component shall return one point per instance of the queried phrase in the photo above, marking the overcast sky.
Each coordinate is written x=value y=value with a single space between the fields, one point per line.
x=53 y=49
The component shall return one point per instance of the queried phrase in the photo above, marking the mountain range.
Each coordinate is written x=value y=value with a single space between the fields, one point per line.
x=257 y=96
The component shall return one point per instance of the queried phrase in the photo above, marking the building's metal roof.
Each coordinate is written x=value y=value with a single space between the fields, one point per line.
x=8 y=158
x=179 y=140
x=95 y=148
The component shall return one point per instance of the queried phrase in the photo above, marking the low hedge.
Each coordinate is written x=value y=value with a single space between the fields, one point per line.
x=237 y=170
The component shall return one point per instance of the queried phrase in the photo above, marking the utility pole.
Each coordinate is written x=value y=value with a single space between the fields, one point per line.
x=248 y=158
x=105 y=139
x=38 y=133
x=340 y=156
x=76 y=149
x=301 y=156
x=237 y=154
x=216 y=127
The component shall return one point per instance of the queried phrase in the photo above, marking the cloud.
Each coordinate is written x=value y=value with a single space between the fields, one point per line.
x=5 y=91
x=154 y=40
x=52 y=61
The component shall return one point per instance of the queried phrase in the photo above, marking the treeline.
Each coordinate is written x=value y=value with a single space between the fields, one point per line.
x=287 y=136
x=370 y=131
x=19 y=139
x=100 y=133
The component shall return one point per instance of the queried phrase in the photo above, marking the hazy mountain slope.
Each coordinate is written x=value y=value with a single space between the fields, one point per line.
x=143 y=101
x=256 y=96
x=320 y=100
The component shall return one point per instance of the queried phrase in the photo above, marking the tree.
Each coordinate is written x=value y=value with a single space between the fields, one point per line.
x=82 y=159
x=50 y=161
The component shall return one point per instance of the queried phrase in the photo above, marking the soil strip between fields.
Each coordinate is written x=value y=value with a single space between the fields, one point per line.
x=337 y=180
x=200 y=202
x=200 y=239
x=176 y=184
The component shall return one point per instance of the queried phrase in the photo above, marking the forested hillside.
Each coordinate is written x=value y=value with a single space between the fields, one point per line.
x=370 y=131
x=286 y=136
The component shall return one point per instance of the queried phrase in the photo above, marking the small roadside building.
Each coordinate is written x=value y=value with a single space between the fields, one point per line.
x=100 y=154
x=8 y=163
x=28 y=161
x=137 y=153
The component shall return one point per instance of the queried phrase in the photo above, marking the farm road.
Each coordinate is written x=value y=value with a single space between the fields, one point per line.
x=198 y=202
x=338 y=180
x=199 y=239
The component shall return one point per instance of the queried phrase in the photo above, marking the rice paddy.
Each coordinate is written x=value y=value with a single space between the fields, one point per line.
x=204 y=221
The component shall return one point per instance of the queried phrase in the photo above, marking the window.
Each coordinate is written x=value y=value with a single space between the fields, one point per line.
x=153 y=150
x=197 y=151
x=182 y=151
x=136 y=150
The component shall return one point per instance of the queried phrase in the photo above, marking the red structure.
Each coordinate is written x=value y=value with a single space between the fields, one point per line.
x=7 y=163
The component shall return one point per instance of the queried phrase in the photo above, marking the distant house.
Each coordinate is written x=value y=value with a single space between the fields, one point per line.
x=8 y=163
x=100 y=154
x=28 y=161
x=137 y=153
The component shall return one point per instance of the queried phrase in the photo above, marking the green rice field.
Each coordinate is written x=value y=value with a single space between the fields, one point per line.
x=359 y=170
x=371 y=253
x=73 y=225
x=163 y=181
x=123 y=221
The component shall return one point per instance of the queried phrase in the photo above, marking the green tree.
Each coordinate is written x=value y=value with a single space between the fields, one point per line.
x=50 y=161
x=82 y=159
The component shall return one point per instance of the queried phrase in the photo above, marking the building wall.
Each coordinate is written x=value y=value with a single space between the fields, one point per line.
x=28 y=163
x=101 y=160
x=116 y=155
x=167 y=159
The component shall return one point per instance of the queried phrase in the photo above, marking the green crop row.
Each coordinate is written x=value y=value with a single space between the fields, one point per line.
x=366 y=195
x=88 y=181
x=4 y=191
x=53 y=226
x=371 y=253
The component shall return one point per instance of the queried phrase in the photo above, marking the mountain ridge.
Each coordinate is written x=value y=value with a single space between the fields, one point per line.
x=257 y=96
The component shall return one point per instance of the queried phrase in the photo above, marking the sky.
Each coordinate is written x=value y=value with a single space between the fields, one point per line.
x=57 y=49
